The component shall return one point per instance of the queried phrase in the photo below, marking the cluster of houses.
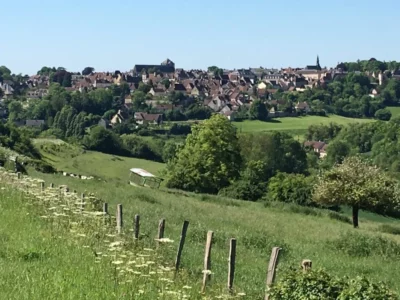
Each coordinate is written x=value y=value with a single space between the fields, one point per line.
x=223 y=92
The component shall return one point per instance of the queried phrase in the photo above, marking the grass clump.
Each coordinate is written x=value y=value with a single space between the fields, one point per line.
x=339 y=217
x=365 y=245
x=386 y=228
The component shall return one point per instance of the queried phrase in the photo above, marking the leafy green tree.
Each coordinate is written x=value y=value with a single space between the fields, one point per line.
x=337 y=151
x=139 y=100
x=279 y=152
x=15 y=111
x=359 y=185
x=320 y=132
x=258 y=111
x=251 y=186
x=46 y=71
x=87 y=71
x=210 y=159
x=169 y=150
x=383 y=114
x=145 y=88
x=80 y=125
x=67 y=80
x=176 y=97
x=166 y=83
x=291 y=188
x=103 y=140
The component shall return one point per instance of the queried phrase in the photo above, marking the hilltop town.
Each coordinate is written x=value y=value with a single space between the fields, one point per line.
x=228 y=92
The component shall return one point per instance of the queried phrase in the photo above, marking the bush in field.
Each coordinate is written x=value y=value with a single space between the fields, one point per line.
x=103 y=140
x=291 y=188
x=321 y=285
x=17 y=140
x=140 y=148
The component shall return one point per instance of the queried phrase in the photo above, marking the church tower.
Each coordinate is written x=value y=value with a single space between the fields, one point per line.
x=318 y=65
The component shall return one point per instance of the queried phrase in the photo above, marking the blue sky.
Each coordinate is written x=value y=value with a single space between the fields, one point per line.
x=116 y=35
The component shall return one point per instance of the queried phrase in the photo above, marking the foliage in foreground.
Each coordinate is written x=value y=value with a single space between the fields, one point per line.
x=320 y=285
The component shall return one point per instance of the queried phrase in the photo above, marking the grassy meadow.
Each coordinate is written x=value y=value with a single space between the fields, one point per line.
x=49 y=250
x=296 y=126
x=68 y=158
x=324 y=237
x=295 y=123
x=395 y=110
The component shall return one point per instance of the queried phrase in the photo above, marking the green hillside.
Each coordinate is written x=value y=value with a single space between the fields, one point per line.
x=325 y=238
x=68 y=158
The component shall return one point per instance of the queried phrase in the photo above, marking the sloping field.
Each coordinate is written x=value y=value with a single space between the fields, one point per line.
x=328 y=240
x=294 y=123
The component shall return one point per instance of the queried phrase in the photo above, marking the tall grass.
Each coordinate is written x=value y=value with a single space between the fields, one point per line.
x=301 y=234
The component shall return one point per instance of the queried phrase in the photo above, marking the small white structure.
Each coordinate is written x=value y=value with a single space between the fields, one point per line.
x=140 y=177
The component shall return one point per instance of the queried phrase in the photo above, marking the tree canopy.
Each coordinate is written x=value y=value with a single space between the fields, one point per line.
x=209 y=160
x=359 y=185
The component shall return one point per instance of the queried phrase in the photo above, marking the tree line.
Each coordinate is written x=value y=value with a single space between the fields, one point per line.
x=274 y=167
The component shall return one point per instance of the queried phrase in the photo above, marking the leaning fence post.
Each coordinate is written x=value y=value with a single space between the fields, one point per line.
x=181 y=244
x=231 y=264
x=137 y=227
x=207 y=261
x=161 y=229
x=105 y=212
x=306 y=265
x=119 y=218
x=273 y=262
x=82 y=201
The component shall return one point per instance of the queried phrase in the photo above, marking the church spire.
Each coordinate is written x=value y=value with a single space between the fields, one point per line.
x=318 y=65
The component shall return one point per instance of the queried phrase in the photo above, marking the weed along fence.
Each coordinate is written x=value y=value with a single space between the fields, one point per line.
x=86 y=215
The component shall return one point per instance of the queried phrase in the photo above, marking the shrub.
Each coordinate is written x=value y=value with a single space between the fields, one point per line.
x=363 y=245
x=294 y=208
x=140 y=148
x=339 y=217
x=41 y=166
x=389 y=229
x=320 y=285
x=244 y=190
x=310 y=285
x=291 y=188
x=383 y=114
x=103 y=140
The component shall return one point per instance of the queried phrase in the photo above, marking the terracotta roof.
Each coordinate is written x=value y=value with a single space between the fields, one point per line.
x=316 y=145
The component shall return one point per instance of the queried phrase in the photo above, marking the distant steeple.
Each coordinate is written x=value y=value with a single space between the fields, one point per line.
x=318 y=65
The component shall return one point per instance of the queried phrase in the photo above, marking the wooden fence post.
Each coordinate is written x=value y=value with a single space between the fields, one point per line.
x=82 y=202
x=273 y=262
x=119 y=218
x=231 y=264
x=306 y=265
x=207 y=261
x=105 y=212
x=51 y=185
x=42 y=186
x=137 y=227
x=19 y=175
x=161 y=229
x=181 y=244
